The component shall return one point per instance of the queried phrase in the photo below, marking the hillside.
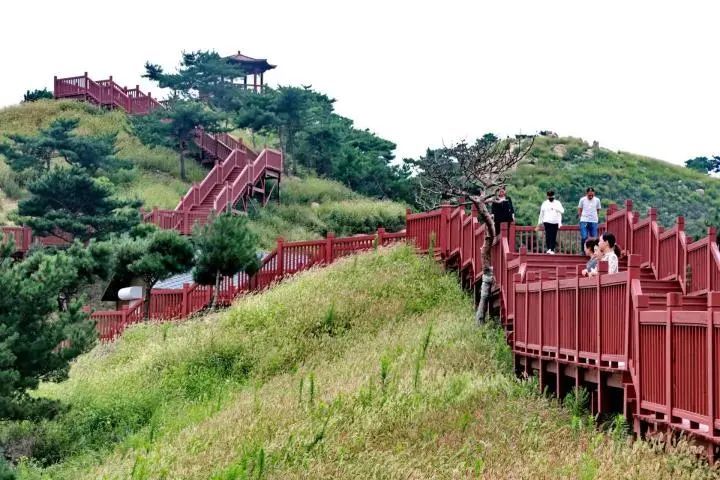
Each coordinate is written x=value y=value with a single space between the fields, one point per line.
x=394 y=381
x=154 y=178
x=310 y=207
x=570 y=165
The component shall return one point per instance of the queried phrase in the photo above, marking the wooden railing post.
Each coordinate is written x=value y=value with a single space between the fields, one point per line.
x=712 y=235
x=680 y=260
x=541 y=317
x=280 y=258
x=643 y=303
x=380 y=236
x=185 y=301
x=602 y=270
x=634 y=262
x=713 y=306
x=652 y=214
x=511 y=236
x=674 y=303
x=444 y=233
x=329 y=247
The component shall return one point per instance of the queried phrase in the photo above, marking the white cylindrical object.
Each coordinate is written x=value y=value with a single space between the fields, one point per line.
x=130 y=293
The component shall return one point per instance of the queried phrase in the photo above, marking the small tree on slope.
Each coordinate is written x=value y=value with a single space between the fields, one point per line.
x=471 y=171
x=226 y=246
x=161 y=255
x=68 y=201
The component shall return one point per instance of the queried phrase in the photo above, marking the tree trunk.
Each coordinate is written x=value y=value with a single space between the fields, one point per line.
x=213 y=304
x=486 y=253
x=182 y=161
x=147 y=305
x=283 y=150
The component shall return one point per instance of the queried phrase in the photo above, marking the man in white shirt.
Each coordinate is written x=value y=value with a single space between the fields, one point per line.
x=588 y=211
x=550 y=217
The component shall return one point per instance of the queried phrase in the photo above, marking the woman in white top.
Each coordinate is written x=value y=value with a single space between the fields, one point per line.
x=550 y=217
x=609 y=251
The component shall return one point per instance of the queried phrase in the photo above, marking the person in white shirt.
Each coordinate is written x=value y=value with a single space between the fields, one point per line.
x=550 y=217
x=588 y=211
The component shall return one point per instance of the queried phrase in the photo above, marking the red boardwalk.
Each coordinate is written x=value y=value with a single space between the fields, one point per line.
x=644 y=341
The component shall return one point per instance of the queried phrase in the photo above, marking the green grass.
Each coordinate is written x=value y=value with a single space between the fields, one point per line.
x=370 y=368
x=312 y=207
x=155 y=177
x=569 y=165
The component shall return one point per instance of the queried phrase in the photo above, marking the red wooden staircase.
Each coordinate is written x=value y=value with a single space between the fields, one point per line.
x=105 y=93
x=239 y=174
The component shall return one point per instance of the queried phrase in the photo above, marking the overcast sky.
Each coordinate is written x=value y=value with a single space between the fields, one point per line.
x=636 y=76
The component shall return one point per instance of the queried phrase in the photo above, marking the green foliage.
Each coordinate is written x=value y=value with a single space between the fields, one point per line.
x=35 y=95
x=68 y=201
x=314 y=137
x=37 y=312
x=704 y=164
x=225 y=246
x=202 y=74
x=60 y=139
x=158 y=256
x=176 y=126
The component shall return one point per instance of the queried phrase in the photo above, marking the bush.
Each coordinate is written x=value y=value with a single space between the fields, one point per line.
x=312 y=189
x=362 y=216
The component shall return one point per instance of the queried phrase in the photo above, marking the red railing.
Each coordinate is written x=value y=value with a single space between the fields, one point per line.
x=105 y=93
x=667 y=344
x=111 y=323
x=23 y=239
x=288 y=258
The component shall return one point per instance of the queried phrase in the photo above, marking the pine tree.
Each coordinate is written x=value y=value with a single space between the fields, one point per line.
x=155 y=257
x=32 y=326
x=226 y=246
x=59 y=139
x=67 y=202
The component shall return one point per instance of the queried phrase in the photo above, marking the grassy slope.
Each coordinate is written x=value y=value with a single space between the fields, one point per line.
x=154 y=180
x=311 y=207
x=569 y=165
x=325 y=377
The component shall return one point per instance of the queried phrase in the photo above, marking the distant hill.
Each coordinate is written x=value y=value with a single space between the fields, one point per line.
x=569 y=165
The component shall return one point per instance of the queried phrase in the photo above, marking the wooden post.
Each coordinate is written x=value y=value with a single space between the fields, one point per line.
x=713 y=306
x=652 y=213
x=55 y=87
x=511 y=236
x=712 y=235
x=329 y=247
x=674 y=303
x=185 y=303
x=380 y=236
x=680 y=260
x=444 y=233
x=602 y=269
x=280 y=258
x=634 y=262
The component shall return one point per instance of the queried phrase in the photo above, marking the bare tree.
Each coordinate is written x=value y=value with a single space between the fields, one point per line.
x=473 y=172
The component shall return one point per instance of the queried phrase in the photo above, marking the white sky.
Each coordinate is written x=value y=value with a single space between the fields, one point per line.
x=637 y=76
